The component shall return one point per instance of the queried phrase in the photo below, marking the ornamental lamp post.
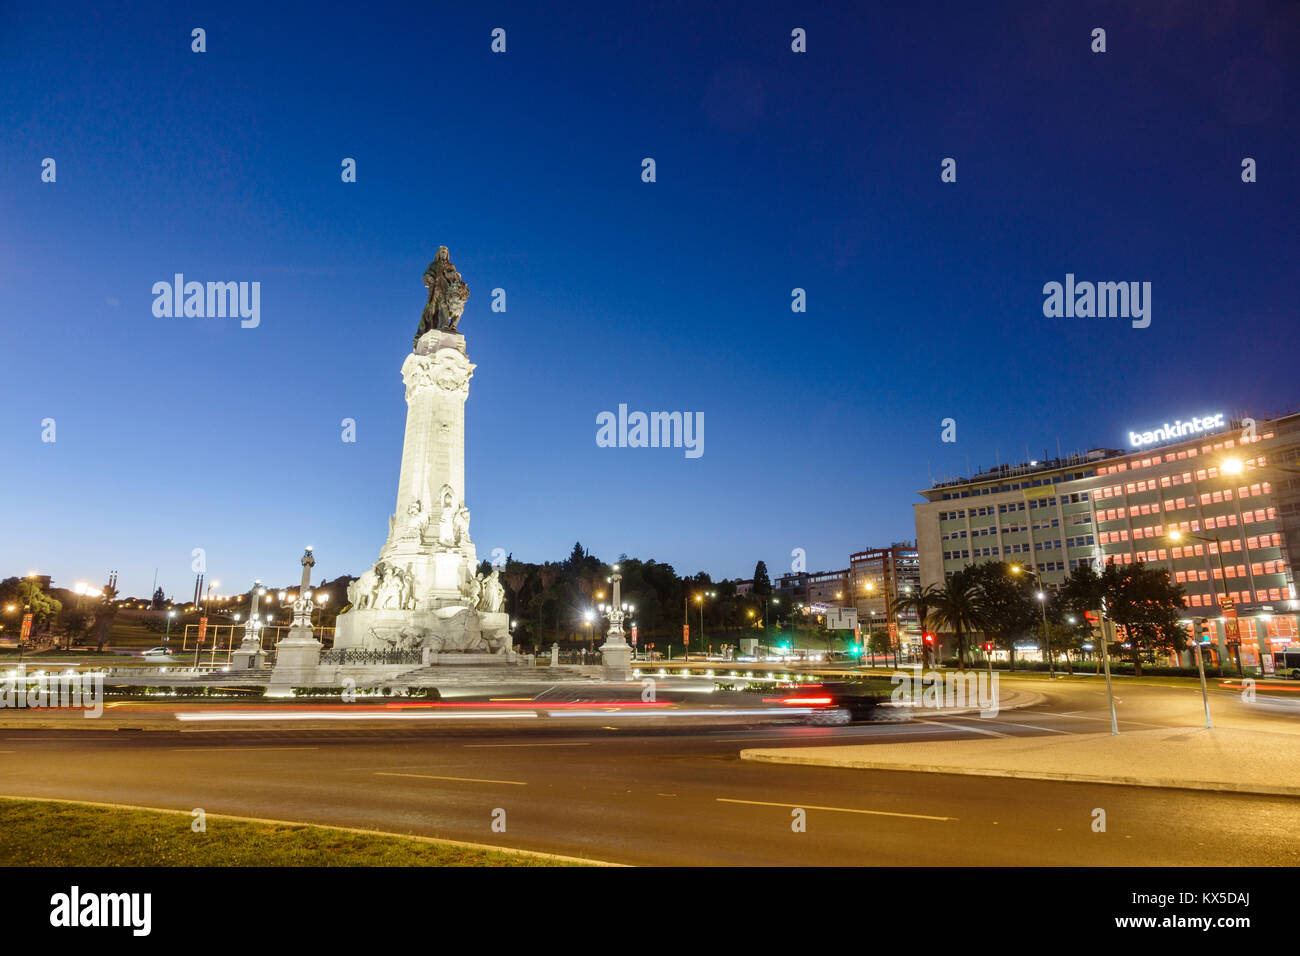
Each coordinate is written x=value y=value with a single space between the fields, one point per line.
x=616 y=653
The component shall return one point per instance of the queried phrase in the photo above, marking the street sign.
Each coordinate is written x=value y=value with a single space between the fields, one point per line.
x=841 y=618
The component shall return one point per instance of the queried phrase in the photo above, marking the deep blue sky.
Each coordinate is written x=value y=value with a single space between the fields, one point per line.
x=775 y=170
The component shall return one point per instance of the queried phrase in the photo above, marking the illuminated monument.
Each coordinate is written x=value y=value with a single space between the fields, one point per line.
x=424 y=595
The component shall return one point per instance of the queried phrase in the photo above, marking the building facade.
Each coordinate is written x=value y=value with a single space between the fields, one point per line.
x=806 y=588
x=1213 y=479
x=877 y=578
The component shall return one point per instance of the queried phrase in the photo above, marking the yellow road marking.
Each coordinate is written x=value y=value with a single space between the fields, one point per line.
x=205 y=750
x=487 y=746
x=809 y=806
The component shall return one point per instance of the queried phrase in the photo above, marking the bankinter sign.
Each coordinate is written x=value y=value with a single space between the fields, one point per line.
x=1179 y=429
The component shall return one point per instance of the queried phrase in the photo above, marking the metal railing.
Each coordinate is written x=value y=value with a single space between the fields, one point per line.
x=361 y=655
x=222 y=640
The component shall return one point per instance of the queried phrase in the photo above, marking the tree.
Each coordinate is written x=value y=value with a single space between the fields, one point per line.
x=762 y=583
x=1079 y=596
x=515 y=578
x=159 y=599
x=577 y=558
x=1007 y=608
x=104 y=615
x=76 y=625
x=547 y=575
x=1147 y=604
x=957 y=609
x=26 y=595
x=923 y=602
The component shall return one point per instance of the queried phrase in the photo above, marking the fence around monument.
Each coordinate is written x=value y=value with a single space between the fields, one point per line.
x=222 y=640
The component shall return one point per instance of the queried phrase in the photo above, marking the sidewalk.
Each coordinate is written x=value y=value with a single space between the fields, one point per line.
x=1183 y=758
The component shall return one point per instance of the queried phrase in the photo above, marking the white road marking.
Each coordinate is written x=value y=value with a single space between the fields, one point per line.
x=429 y=776
x=1012 y=723
x=975 y=730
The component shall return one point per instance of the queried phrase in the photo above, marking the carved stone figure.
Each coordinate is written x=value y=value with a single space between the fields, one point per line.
x=415 y=519
x=471 y=590
x=493 y=594
x=409 y=638
x=460 y=526
x=447 y=296
x=408 y=590
x=390 y=590
x=447 y=518
x=365 y=587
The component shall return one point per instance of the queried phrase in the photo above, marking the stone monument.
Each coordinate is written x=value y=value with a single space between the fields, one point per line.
x=424 y=595
x=616 y=653
x=249 y=655
x=298 y=654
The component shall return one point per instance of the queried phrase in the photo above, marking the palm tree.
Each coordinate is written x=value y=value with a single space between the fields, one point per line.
x=924 y=603
x=515 y=578
x=547 y=575
x=957 y=608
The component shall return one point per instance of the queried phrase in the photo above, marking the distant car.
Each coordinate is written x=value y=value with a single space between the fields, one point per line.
x=834 y=703
x=159 y=652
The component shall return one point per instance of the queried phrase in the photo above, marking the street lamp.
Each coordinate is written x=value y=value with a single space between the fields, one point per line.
x=699 y=599
x=1175 y=535
x=203 y=623
x=1042 y=602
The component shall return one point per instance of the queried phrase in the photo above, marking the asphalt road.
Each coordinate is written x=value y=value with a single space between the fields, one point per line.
x=626 y=792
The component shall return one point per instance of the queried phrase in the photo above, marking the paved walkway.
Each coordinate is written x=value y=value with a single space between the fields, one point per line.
x=1183 y=758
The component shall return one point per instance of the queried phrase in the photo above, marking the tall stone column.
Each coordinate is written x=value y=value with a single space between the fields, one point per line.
x=437 y=378
x=430 y=527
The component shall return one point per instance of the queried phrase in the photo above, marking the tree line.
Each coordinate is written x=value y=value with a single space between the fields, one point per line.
x=1000 y=603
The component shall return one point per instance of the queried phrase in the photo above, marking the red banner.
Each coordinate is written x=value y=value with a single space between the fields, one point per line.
x=203 y=629
x=686 y=633
x=633 y=635
x=26 y=630
x=1230 y=626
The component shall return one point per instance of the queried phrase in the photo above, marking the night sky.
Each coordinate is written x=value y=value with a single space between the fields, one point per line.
x=775 y=170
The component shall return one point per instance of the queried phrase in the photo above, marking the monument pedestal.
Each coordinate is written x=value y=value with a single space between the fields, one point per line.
x=248 y=656
x=297 y=659
x=616 y=661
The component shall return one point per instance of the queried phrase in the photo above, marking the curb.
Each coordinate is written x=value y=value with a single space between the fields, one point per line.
x=1158 y=782
x=508 y=851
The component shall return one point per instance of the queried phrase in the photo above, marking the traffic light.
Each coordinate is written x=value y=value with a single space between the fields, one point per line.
x=988 y=648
